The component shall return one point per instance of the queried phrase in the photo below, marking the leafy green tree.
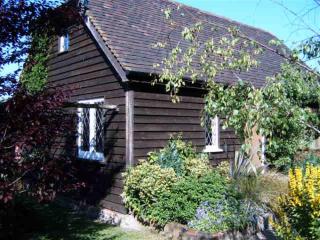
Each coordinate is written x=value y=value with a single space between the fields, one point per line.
x=284 y=110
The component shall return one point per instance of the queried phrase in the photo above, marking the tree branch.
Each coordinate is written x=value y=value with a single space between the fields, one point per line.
x=245 y=37
x=312 y=127
x=296 y=15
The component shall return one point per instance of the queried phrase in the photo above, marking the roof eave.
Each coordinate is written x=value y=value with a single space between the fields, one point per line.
x=105 y=49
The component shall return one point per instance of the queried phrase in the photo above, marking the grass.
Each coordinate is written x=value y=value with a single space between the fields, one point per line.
x=52 y=222
x=271 y=185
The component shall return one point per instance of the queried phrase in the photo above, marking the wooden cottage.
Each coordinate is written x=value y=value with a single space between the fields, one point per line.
x=108 y=61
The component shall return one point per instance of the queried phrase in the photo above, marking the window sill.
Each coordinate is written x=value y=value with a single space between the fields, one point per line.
x=212 y=149
x=62 y=52
x=91 y=156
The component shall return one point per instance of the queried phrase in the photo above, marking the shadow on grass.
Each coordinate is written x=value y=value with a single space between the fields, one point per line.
x=59 y=223
x=28 y=220
x=52 y=222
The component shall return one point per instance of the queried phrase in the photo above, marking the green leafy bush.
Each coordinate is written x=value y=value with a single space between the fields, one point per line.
x=174 y=154
x=180 y=203
x=171 y=183
x=196 y=167
x=224 y=169
x=143 y=184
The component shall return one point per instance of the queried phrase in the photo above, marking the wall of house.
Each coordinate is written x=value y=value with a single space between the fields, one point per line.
x=156 y=117
x=85 y=71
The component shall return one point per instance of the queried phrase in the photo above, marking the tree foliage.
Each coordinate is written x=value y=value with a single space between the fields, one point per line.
x=33 y=123
x=284 y=110
x=30 y=161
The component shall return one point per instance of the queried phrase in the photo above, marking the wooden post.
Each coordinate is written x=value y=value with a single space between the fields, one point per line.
x=129 y=128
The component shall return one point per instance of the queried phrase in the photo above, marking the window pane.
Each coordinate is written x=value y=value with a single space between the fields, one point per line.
x=215 y=131
x=99 y=130
x=61 y=43
x=66 y=42
x=208 y=130
x=85 y=135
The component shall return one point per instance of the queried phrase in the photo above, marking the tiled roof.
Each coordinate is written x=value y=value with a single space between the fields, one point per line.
x=130 y=28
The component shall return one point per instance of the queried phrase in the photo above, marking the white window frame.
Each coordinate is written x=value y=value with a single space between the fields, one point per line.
x=62 y=43
x=215 y=136
x=91 y=154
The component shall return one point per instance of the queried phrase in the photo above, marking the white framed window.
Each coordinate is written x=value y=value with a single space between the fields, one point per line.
x=212 y=134
x=64 y=43
x=91 y=131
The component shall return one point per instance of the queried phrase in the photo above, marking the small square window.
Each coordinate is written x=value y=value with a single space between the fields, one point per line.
x=64 y=42
x=91 y=131
x=212 y=134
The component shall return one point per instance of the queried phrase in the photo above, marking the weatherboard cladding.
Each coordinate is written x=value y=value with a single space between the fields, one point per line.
x=131 y=27
x=156 y=118
x=85 y=70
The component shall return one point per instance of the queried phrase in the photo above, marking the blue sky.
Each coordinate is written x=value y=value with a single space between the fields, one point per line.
x=267 y=14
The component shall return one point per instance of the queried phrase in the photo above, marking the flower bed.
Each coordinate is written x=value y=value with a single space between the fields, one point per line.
x=171 y=184
x=178 y=185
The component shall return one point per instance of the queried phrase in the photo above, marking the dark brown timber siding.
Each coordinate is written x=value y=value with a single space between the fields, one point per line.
x=156 y=117
x=85 y=70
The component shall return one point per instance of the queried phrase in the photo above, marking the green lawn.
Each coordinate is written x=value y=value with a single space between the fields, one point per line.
x=52 y=222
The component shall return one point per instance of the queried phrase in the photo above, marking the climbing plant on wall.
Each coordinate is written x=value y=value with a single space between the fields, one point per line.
x=35 y=72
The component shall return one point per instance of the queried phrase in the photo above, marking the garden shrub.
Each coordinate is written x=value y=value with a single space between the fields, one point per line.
x=283 y=147
x=196 y=167
x=244 y=176
x=180 y=203
x=143 y=184
x=299 y=210
x=171 y=183
x=254 y=184
x=224 y=169
x=174 y=154
x=247 y=187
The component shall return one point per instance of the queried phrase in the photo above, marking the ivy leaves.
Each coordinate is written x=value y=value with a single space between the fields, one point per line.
x=35 y=74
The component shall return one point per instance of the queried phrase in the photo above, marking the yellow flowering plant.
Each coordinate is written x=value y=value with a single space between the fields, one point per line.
x=299 y=211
